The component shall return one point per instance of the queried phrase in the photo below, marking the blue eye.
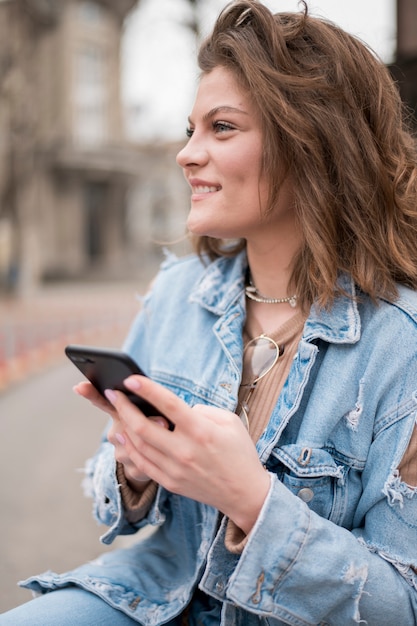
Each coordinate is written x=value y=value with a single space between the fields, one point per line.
x=222 y=127
x=189 y=132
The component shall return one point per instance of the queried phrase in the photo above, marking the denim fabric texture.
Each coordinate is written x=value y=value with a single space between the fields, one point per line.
x=336 y=540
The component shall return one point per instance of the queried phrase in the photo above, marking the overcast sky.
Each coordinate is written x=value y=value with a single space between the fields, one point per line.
x=159 y=71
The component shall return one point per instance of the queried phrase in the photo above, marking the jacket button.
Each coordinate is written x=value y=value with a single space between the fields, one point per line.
x=306 y=494
x=219 y=587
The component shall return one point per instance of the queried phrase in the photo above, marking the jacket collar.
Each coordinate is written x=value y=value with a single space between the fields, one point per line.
x=339 y=324
x=223 y=282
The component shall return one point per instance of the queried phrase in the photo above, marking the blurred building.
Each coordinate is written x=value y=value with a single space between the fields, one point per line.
x=157 y=207
x=404 y=69
x=66 y=168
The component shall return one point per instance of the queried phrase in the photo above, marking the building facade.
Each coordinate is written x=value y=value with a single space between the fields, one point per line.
x=68 y=176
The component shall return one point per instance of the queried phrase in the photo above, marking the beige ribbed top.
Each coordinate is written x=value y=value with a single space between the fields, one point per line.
x=265 y=394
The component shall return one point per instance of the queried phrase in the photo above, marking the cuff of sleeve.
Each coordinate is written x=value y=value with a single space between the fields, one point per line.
x=136 y=504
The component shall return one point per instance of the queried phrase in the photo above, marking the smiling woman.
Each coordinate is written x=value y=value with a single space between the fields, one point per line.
x=223 y=163
x=285 y=491
x=222 y=160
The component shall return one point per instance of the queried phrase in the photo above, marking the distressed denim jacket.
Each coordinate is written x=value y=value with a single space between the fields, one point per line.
x=336 y=540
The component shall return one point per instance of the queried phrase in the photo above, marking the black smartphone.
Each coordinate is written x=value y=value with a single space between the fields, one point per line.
x=106 y=368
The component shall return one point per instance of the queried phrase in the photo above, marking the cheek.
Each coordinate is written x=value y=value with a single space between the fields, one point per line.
x=243 y=171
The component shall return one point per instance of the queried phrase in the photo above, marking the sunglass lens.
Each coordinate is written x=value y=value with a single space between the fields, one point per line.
x=260 y=356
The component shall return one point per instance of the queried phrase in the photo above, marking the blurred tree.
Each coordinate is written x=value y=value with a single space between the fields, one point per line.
x=404 y=68
x=194 y=22
x=19 y=130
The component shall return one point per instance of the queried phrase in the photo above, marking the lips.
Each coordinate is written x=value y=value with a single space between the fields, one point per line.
x=202 y=187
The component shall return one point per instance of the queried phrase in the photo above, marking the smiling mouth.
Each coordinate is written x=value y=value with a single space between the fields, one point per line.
x=205 y=189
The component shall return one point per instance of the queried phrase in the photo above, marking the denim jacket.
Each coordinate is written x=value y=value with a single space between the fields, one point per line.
x=336 y=540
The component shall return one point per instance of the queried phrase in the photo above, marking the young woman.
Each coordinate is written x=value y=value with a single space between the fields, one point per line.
x=285 y=353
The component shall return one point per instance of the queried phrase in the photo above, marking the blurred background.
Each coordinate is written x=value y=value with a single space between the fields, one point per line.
x=94 y=97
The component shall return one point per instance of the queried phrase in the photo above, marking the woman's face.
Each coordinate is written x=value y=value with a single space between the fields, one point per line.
x=222 y=164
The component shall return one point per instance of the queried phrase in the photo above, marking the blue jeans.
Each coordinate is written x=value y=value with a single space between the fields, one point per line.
x=71 y=606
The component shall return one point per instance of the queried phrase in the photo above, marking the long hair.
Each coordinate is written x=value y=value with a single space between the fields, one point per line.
x=333 y=119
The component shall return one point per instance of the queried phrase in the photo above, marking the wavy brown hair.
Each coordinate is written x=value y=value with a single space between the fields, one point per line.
x=332 y=117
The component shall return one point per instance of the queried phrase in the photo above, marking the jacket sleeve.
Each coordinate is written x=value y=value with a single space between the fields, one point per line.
x=303 y=569
x=102 y=485
x=101 y=482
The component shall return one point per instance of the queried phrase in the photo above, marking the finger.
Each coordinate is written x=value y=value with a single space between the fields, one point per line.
x=132 y=448
x=134 y=420
x=120 y=441
x=141 y=459
x=170 y=405
x=116 y=431
x=115 y=434
x=89 y=392
x=160 y=421
x=218 y=416
x=144 y=437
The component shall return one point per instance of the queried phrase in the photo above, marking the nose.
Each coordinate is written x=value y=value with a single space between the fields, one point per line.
x=193 y=154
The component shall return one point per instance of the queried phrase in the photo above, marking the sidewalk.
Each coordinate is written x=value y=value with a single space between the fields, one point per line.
x=47 y=431
x=35 y=330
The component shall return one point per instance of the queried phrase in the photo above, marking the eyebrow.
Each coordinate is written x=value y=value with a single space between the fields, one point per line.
x=221 y=109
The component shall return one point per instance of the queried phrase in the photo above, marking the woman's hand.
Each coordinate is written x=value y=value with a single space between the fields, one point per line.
x=89 y=392
x=208 y=457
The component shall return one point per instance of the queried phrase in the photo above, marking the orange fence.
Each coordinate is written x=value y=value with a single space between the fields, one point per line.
x=34 y=333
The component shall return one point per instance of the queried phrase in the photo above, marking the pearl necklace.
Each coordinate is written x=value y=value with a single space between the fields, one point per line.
x=253 y=294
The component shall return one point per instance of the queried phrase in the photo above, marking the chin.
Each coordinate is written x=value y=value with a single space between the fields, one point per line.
x=200 y=229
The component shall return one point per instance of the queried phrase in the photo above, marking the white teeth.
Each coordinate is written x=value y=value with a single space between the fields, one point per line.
x=204 y=189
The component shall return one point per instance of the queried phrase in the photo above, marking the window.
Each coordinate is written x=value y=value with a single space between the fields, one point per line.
x=90 y=12
x=90 y=96
x=95 y=224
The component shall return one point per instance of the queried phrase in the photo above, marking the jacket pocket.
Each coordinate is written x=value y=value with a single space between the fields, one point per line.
x=313 y=475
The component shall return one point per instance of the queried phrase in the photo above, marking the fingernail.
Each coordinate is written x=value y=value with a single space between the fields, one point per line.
x=75 y=390
x=132 y=383
x=110 y=395
x=161 y=422
x=120 y=439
